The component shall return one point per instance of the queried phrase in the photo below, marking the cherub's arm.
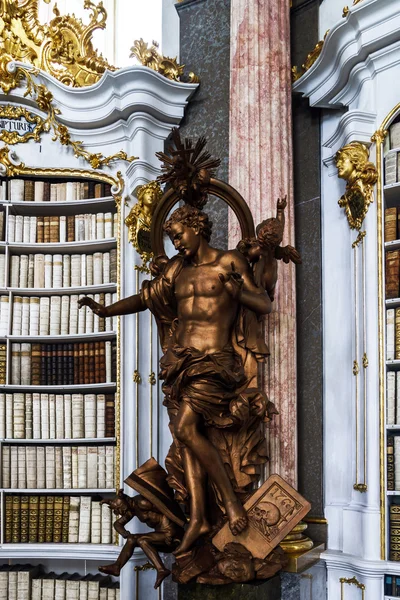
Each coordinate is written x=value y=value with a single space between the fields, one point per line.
x=280 y=209
x=127 y=306
x=240 y=284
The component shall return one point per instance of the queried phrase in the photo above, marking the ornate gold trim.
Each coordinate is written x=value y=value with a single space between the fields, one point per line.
x=14 y=113
x=63 y=48
x=312 y=57
x=11 y=76
x=353 y=581
x=10 y=168
x=150 y=57
x=346 y=9
x=378 y=138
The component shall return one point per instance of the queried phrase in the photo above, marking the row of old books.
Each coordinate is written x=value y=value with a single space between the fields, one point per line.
x=392 y=159
x=62 y=270
x=56 y=416
x=394 y=531
x=392 y=273
x=58 y=467
x=54 y=229
x=55 y=315
x=3 y=364
x=28 y=190
x=393 y=334
x=393 y=397
x=392 y=586
x=63 y=364
x=392 y=224
x=25 y=582
x=57 y=519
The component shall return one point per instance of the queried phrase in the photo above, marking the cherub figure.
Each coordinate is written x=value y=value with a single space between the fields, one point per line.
x=139 y=218
x=265 y=249
x=165 y=537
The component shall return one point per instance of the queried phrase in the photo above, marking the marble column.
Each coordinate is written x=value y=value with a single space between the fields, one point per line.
x=260 y=167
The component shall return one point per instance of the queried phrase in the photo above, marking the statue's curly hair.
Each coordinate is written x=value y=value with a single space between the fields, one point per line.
x=269 y=232
x=153 y=186
x=358 y=153
x=191 y=217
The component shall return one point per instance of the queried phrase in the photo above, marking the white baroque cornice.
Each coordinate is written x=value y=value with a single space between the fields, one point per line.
x=117 y=95
x=345 y=61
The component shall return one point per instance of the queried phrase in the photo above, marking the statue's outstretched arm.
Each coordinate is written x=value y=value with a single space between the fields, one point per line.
x=127 y=306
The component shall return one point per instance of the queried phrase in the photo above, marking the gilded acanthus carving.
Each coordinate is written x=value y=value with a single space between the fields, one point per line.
x=353 y=165
x=150 y=57
x=12 y=76
x=63 y=48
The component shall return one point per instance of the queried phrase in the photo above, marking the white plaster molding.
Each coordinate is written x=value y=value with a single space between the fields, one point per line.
x=371 y=26
x=355 y=125
x=115 y=96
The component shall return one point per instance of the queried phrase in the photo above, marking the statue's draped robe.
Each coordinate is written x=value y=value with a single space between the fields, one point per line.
x=219 y=386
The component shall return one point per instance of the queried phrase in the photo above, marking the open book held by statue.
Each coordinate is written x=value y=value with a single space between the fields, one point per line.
x=208 y=305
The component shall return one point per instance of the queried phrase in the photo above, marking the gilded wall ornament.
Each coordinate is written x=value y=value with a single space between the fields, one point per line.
x=150 y=57
x=15 y=75
x=353 y=165
x=63 y=48
x=346 y=9
x=310 y=60
x=139 y=219
x=18 y=125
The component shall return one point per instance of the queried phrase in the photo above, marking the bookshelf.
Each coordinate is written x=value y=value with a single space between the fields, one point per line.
x=59 y=438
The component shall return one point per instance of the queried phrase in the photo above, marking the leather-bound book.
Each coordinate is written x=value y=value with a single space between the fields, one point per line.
x=24 y=527
x=390 y=224
x=81 y=376
x=98 y=190
x=85 y=190
x=58 y=519
x=97 y=372
x=16 y=519
x=92 y=359
x=46 y=191
x=42 y=519
x=54 y=348
x=60 y=363
x=8 y=520
x=36 y=364
x=43 y=364
x=110 y=416
x=392 y=273
x=394 y=532
x=46 y=229
x=114 y=360
x=54 y=229
x=70 y=228
x=33 y=519
x=70 y=356
x=102 y=362
x=29 y=190
x=49 y=518
x=40 y=229
x=86 y=366
x=76 y=364
x=65 y=519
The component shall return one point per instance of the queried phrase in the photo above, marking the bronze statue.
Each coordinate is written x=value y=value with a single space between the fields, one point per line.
x=208 y=305
x=150 y=507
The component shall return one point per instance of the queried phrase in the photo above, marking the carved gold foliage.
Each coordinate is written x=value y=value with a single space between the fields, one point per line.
x=63 y=48
x=346 y=9
x=150 y=57
x=44 y=99
x=310 y=60
x=361 y=175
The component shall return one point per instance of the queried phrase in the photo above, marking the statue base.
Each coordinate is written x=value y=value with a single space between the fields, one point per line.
x=262 y=590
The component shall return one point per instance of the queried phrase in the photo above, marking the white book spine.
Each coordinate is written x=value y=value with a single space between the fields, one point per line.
x=50 y=467
x=25 y=315
x=67 y=467
x=108 y=225
x=2 y=416
x=97 y=268
x=391 y=392
x=44 y=414
x=34 y=304
x=390 y=334
x=14 y=275
x=96 y=523
x=16 y=364
x=90 y=415
x=26 y=230
x=63 y=229
x=84 y=520
x=48 y=271
x=19 y=416
x=5 y=474
x=89 y=269
x=60 y=417
x=28 y=416
x=74 y=469
x=105 y=524
x=39 y=280
x=73 y=315
x=40 y=467
x=67 y=416
x=44 y=315
x=52 y=416
x=82 y=318
x=101 y=415
x=31 y=270
x=109 y=467
x=14 y=463
x=101 y=467
x=77 y=416
x=76 y=261
x=66 y=271
x=31 y=481
x=23 y=275
x=73 y=526
x=58 y=467
x=92 y=467
x=21 y=467
x=11 y=228
x=17 y=316
x=57 y=271
x=4 y=314
x=108 y=362
x=3 y=270
x=64 y=315
x=106 y=267
x=19 y=229
x=82 y=467
x=37 y=434
x=25 y=364
x=55 y=315
x=32 y=230
x=9 y=416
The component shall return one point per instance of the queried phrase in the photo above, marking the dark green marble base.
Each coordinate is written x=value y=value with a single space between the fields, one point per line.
x=265 y=590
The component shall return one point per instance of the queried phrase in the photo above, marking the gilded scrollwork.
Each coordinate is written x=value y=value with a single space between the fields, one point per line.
x=63 y=48
x=13 y=115
x=346 y=9
x=139 y=219
x=310 y=60
x=149 y=56
x=44 y=99
x=353 y=165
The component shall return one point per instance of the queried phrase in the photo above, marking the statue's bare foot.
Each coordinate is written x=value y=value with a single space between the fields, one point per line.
x=193 y=532
x=111 y=570
x=161 y=575
x=238 y=519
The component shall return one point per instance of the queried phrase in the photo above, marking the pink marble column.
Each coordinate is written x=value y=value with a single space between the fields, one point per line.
x=261 y=170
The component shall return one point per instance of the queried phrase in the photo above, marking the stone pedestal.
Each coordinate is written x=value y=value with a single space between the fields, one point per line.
x=264 y=590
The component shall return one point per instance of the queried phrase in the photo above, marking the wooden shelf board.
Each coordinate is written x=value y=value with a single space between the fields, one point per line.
x=72 y=441
x=60 y=492
x=82 y=337
x=63 y=248
x=93 y=388
x=106 y=288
